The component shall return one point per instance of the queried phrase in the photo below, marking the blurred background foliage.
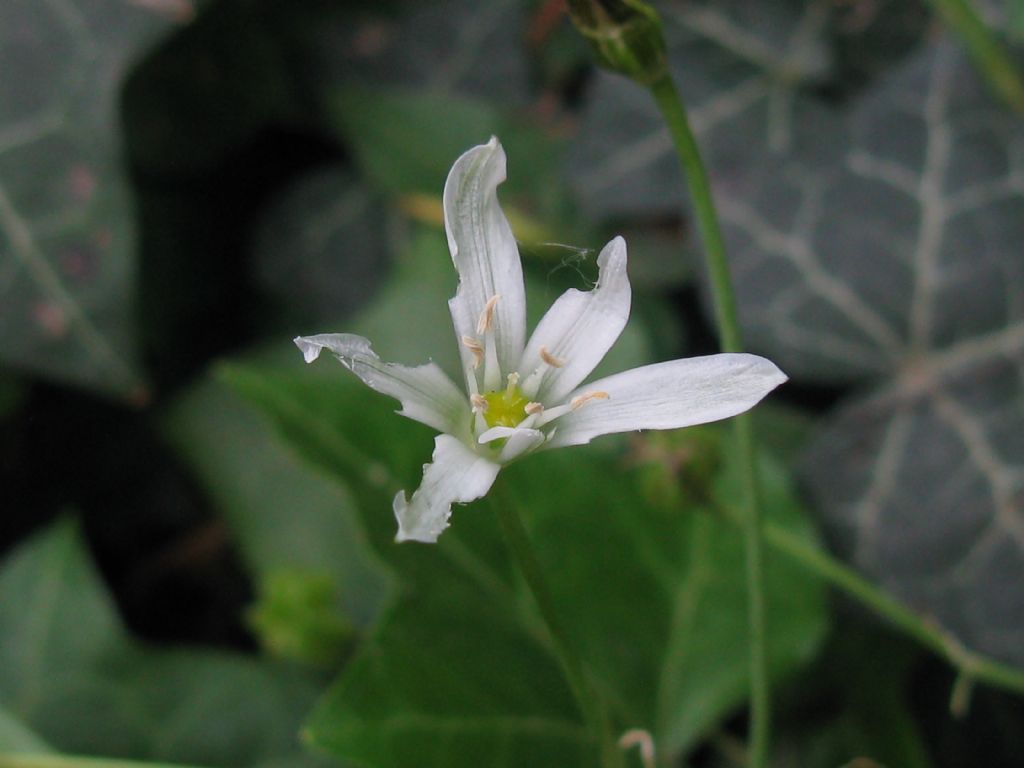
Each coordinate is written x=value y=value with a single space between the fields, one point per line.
x=197 y=532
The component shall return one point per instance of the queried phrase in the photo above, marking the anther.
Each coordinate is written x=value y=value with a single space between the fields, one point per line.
x=533 y=409
x=547 y=357
x=487 y=316
x=474 y=346
x=580 y=400
x=479 y=403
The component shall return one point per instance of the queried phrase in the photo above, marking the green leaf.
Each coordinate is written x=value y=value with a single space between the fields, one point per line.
x=16 y=737
x=67 y=238
x=653 y=594
x=218 y=709
x=406 y=141
x=865 y=674
x=70 y=672
x=867 y=45
x=60 y=635
x=283 y=516
x=46 y=760
x=55 y=622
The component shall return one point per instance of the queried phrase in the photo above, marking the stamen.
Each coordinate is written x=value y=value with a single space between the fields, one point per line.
x=479 y=403
x=474 y=346
x=637 y=737
x=547 y=357
x=487 y=316
x=580 y=400
x=550 y=414
x=513 y=383
x=533 y=408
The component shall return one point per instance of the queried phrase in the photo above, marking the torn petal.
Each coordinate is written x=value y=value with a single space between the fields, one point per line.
x=679 y=393
x=456 y=475
x=425 y=391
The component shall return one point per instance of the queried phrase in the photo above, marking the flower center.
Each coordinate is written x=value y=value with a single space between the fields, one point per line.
x=506 y=407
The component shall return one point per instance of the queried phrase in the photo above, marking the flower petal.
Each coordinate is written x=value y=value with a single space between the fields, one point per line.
x=679 y=393
x=456 y=475
x=578 y=330
x=425 y=391
x=520 y=440
x=485 y=254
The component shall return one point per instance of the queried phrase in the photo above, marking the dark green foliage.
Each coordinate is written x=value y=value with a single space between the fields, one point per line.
x=185 y=186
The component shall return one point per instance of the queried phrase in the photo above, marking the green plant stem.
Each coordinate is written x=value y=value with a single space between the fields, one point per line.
x=990 y=56
x=970 y=665
x=590 y=704
x=674 y=113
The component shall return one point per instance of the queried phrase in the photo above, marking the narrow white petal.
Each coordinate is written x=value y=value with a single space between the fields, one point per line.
x=485 y=254
x=456 y=475
x=579 y=329
x=520 y=442
x=679 y=393
x=425 y=391
x=495 y=433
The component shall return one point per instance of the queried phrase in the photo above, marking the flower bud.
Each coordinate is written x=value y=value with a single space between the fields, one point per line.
x=625 y=34
x=297 y=617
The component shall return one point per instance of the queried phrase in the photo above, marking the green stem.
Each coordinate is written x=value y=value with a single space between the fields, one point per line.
x=989 y=54
x=969 y=664
x=674 y=113
x=590 y=704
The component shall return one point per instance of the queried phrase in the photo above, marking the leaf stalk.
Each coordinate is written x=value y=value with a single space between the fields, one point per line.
x=988 y=53
x=970 y=665
x=590 y=703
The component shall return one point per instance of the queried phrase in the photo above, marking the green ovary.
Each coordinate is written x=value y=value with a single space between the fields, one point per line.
x=505 y=408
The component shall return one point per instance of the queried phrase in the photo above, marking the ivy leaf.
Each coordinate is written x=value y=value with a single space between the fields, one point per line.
x=921 y=485
x=70 y=672
x=322 y=246
x=880 y=244
x=67 y=240
x=892 y=255
x=738 y=67
x=456 y=47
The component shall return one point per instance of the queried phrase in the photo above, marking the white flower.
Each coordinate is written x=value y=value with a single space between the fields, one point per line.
x=525 y=395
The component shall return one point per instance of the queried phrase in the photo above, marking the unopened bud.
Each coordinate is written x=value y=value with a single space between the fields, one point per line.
x=626 y=36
